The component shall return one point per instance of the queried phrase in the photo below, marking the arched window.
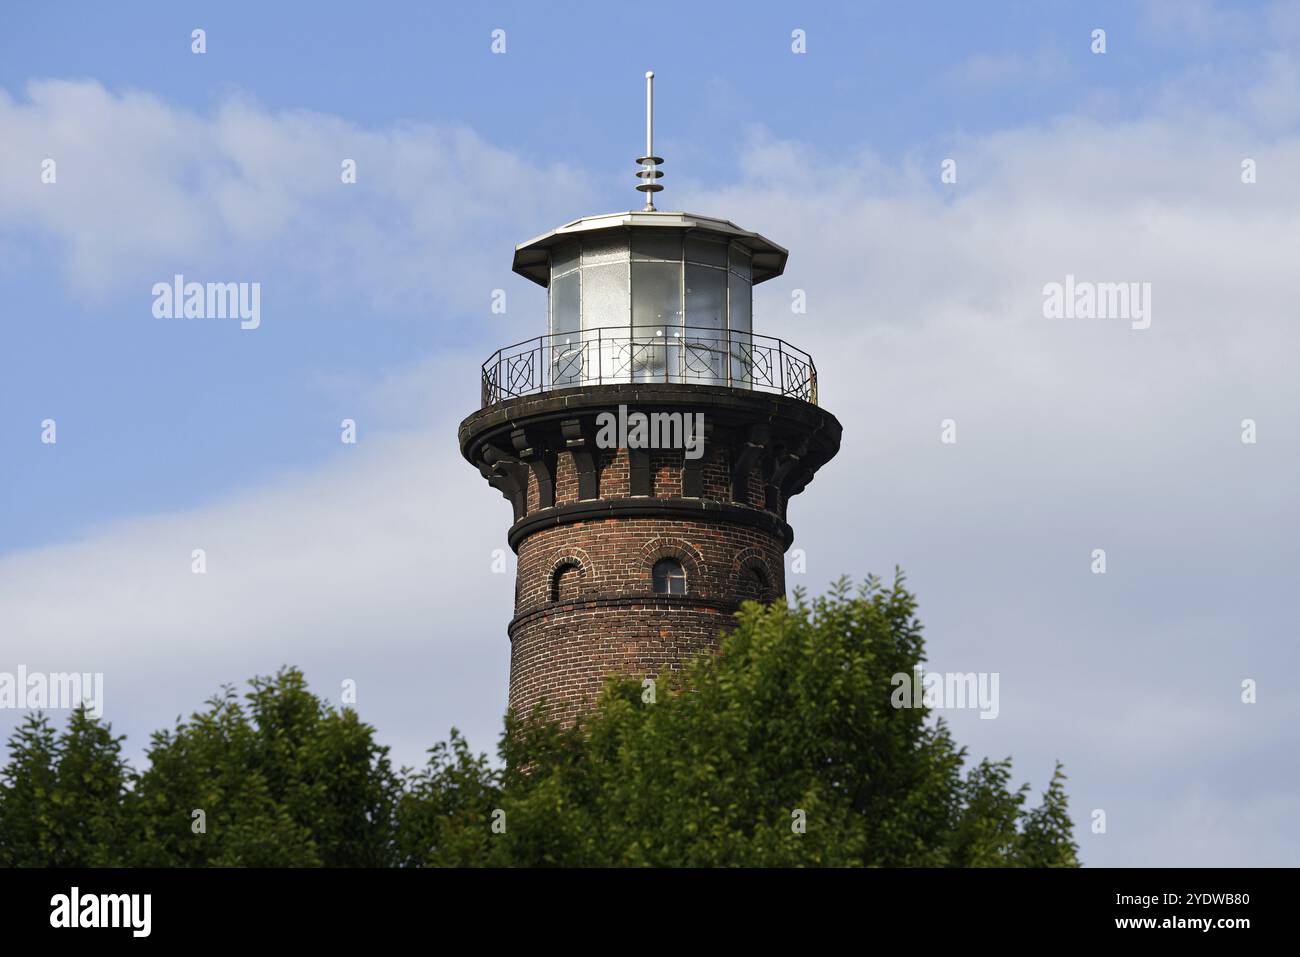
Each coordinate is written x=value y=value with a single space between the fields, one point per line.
x=752 y=585
x=669 y=578
x=565 y=583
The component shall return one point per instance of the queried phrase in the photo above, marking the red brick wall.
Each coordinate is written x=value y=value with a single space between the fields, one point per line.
x=607 y=619
x=615 y=556
x=564 y=655
x=666 y=472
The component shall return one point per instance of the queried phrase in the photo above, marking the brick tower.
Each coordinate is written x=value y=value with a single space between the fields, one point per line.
x=649 y=445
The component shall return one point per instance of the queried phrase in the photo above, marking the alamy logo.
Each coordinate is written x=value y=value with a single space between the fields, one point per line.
x=179 y=299
x=1098 y=300
x=41 y=691
x=656 y=430
x=944 y=690
x=102 y=910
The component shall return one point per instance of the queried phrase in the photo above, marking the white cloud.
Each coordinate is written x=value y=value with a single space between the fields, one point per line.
x=1201 y=22
x=925 y=302
x=145 y=188
x=374 y=567
x=984 y=71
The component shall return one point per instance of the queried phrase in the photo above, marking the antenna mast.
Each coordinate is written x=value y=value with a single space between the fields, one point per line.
x=649 y=174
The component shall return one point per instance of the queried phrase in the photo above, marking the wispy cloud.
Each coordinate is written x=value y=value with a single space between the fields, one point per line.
x=146 y=188
x=984 y=71
x=375 y=567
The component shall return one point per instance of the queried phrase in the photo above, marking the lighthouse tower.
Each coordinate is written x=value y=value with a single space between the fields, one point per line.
x=649 y=444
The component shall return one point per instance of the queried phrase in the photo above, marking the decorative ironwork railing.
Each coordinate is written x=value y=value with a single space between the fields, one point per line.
x=668 y=354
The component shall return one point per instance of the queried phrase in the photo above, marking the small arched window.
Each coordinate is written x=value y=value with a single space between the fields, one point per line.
x=669 y=578
x=752 y=585
x=566 y=582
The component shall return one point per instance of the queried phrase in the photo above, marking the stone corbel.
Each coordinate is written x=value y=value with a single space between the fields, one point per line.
x=640 y=480
x=580 y=441
x=784 y=465
x=693 y=469
x=746 y=456
x=507 y=476
x=541 y=459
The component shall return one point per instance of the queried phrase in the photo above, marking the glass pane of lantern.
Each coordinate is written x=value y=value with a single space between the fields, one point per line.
x=564 y=305
x=606 y=316
x=656 y=295
x=739 y=260
x=564 y=258
x=598 y=250
x=740 y=294
x=656 y=321
x=747 y=361
x=704 y=345
x=706 y=251
x=706 y=297
x=605 y=297
x=655 y=247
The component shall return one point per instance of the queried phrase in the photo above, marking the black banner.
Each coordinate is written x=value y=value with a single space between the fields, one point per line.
x=329 y=907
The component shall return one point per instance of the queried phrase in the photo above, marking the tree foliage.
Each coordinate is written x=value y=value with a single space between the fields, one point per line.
x=782 y=750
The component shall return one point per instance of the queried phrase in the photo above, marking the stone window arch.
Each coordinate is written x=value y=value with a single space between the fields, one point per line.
x=752 y=577
x=678 y=550
x=569 y=574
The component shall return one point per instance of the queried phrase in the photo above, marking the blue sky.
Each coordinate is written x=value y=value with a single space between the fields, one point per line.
x=925 y=304
x=566 y=92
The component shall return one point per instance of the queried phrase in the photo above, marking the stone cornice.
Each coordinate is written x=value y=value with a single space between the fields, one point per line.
x=781 y=440
x=696 y=510
x=647 y=601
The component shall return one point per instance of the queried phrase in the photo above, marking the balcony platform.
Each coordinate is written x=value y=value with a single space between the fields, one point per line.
x=654 y=356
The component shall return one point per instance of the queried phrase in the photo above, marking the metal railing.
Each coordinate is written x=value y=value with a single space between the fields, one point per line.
x=668 y=354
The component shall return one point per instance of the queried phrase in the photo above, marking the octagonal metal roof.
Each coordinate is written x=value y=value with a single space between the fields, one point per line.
x=532 y=259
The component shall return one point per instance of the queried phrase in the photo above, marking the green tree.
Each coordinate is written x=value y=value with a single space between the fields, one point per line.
x=285 y=780
x=1047 y=838
x=445 y=814
x=63 y=798
x=785 y=749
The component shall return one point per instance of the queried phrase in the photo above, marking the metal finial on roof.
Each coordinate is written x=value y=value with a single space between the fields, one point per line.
x=649 y=174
